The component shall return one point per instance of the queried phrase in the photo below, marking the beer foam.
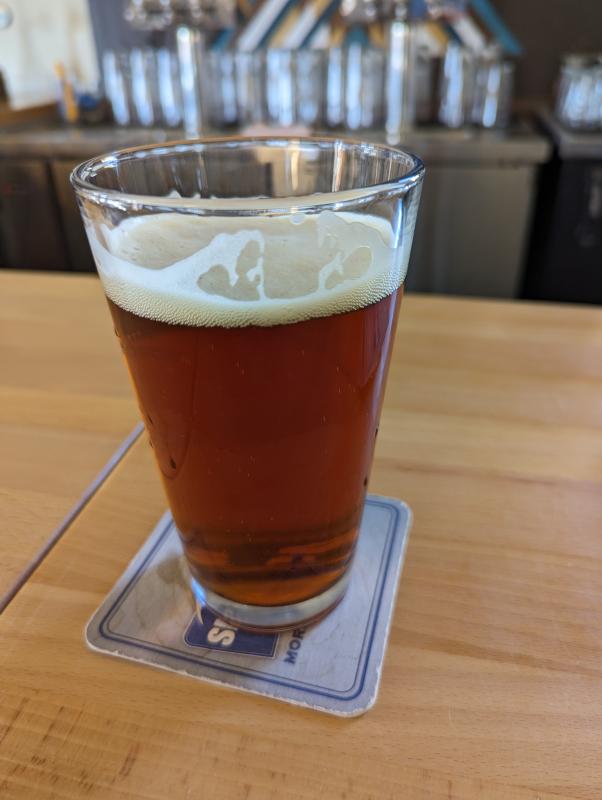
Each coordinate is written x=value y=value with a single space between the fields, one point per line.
x=236 y=271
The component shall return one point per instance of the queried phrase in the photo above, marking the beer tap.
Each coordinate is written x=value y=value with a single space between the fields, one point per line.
x=400 y=93
x=399 y=38
x=159 y=15
x=192 y=20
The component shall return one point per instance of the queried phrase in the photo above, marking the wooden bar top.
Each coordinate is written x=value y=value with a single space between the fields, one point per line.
x=492 y=682
x=65 y=406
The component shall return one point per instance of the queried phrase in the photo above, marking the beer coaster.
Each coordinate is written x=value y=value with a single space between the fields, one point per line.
x=333 y=665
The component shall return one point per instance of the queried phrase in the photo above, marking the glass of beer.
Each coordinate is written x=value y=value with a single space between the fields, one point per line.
x=254 y=285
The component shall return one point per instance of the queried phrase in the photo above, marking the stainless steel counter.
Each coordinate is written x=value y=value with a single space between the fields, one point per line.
x=521 y=144
x=75 y=142
x=472 y=227
x=572 y=144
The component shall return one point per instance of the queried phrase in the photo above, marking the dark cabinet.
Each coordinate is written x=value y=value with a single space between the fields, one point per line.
x=566 y=249
x=565 y=253
x=80 y=255
x=31 y=232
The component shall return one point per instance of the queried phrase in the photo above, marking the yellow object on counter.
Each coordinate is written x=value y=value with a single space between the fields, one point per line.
x=67 y=93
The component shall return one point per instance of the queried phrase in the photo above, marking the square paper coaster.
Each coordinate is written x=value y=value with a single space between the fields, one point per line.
x=334 y=665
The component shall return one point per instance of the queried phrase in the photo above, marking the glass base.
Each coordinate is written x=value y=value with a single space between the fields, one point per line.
x=271 y=618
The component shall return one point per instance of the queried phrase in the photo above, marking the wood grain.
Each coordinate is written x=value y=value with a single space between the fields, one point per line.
x=65 y=405
x=492 y=684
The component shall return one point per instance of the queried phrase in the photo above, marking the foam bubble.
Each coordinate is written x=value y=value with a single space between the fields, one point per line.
x=236 y=271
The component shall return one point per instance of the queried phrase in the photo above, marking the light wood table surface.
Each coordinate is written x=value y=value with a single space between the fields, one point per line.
x=492 y=683
x=65 y=406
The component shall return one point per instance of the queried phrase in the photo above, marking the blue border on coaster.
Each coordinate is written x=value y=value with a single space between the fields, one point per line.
x=373 y=616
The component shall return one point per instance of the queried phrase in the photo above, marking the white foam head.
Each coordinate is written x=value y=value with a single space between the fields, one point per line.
x=236 y=271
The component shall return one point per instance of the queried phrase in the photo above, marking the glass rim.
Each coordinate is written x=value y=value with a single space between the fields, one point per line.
x=243 y=206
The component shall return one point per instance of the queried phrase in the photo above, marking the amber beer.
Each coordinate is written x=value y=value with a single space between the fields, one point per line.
x=255 y=286
x=264 y=437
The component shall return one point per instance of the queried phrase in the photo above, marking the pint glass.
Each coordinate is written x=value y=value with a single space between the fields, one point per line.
x=254 y=286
